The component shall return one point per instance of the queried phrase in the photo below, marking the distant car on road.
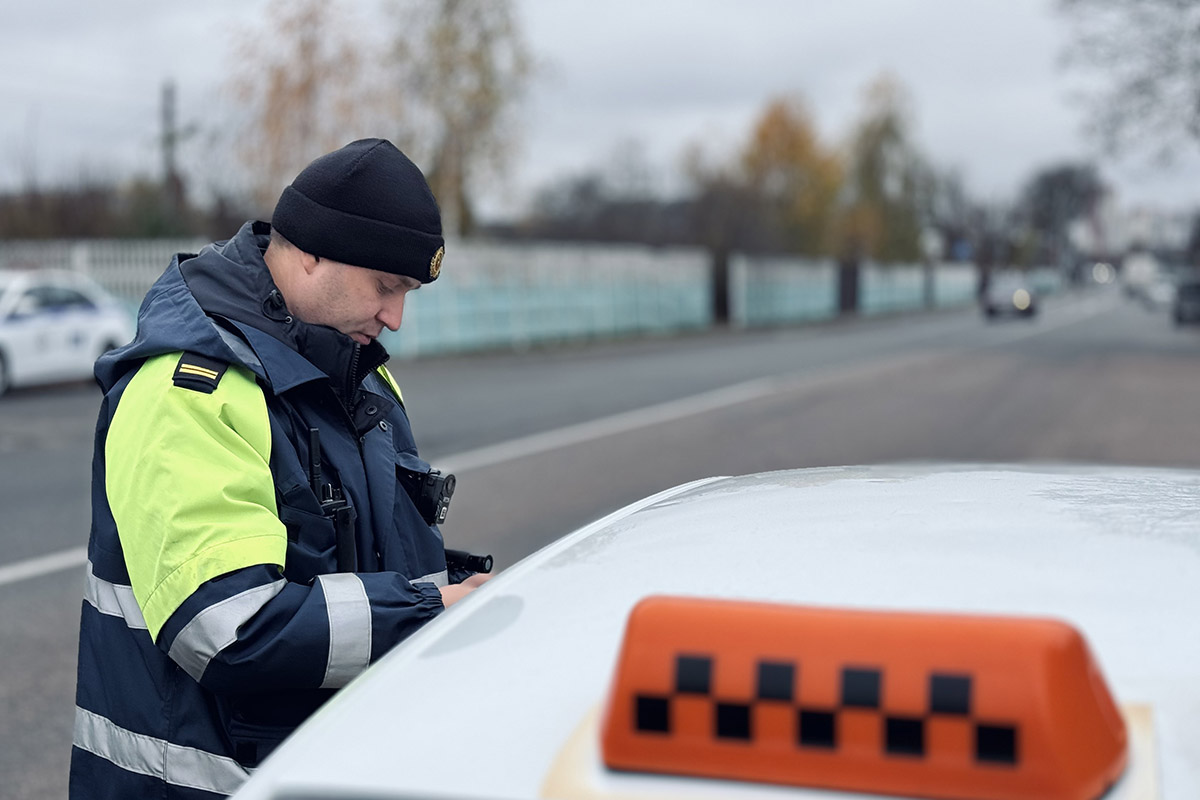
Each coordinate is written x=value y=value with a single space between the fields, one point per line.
x=54 y=325
x=895 y=629
x=1009 y=295
x=1140 y=271
x=1186 y=308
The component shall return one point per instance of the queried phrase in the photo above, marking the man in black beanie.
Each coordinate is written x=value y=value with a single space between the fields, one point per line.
x=262 y=526
x=365 y=205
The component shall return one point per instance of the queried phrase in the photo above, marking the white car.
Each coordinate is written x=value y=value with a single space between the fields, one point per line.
x=997 y=631
x=54 y=325
x=1009 y=294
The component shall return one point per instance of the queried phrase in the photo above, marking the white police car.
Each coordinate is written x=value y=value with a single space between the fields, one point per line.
x=981 y=631
x=53 y=326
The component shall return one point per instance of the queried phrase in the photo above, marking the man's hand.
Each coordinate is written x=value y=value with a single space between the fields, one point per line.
x=457 y=591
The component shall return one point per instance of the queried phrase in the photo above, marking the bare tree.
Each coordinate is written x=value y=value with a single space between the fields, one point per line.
x=1054 y=198
x=1149 y=54
x=460 y=65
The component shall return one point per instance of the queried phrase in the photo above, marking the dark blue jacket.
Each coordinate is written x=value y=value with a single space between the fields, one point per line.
x=215 y=618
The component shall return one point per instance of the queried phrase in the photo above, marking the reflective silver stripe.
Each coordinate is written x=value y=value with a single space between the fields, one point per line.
x=216 y=627
x=349 y=628
x=158 y=758
x=114 y=600
x=436 y=578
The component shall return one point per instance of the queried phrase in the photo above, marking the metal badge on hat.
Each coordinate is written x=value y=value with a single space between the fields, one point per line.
x=435 y=264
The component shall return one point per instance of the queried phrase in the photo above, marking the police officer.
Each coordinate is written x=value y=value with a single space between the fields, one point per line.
x=263 y=527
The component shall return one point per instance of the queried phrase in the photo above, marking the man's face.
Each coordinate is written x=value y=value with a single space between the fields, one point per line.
x=357 y=301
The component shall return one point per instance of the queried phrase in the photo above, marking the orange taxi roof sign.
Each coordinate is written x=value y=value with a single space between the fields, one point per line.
x=933 y=705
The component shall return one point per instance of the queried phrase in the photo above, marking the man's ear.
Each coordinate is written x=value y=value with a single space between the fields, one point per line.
x=308 y=261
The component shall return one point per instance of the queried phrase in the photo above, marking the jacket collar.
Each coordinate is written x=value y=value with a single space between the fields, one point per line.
x=230 y=281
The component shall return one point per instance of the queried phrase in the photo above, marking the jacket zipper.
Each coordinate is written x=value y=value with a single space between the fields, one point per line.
x=351 y=383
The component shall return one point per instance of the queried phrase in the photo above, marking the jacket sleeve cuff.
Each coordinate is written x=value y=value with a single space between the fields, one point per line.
x=431 y=597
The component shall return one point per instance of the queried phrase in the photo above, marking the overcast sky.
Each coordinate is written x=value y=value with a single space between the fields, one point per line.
x=80 y=83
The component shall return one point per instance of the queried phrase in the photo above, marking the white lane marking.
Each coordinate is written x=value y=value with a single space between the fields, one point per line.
x=670 y=411
x=43 y=565
x=723 y=398
x=607 y=426
x=622 y=423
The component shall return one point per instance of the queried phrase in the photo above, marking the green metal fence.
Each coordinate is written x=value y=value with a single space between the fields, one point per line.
x=502 y=295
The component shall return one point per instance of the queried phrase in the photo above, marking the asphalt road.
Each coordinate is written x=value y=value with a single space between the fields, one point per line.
x=547 y=440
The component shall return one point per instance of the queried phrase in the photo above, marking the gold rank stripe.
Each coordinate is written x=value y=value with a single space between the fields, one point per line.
x=192 y=369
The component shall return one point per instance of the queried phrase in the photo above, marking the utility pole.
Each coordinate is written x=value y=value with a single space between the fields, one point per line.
x=173 y=191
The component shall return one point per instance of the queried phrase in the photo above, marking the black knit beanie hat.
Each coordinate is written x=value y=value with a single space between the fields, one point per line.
x=366 y=205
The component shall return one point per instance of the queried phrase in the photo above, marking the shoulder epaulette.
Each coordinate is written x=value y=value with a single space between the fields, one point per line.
x=199 y=373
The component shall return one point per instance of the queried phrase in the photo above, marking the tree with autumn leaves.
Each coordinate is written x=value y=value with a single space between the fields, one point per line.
x=887 y=188
x=789 y=191
x=795 y=176
x=441 y=79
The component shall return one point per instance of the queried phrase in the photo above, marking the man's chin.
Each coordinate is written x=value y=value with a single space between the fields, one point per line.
x=361 y=338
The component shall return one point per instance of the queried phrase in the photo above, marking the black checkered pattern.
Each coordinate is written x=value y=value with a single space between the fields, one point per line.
x=817 y=728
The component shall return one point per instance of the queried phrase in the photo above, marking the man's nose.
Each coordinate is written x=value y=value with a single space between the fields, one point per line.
x=391 y=314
